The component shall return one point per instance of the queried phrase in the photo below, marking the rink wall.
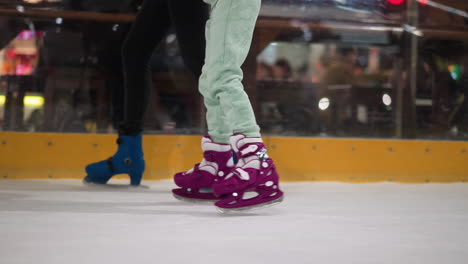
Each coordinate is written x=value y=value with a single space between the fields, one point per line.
x=44 y=155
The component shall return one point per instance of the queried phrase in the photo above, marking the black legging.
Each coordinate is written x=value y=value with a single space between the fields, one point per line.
x=151 y=26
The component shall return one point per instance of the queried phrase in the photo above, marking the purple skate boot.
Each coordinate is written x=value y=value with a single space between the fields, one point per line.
x=254 y=181
x=196 y=183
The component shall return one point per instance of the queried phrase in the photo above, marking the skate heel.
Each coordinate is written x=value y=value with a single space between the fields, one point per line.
x=135 y=178
x=254 y=181
x=135 y=171
x=196 y=184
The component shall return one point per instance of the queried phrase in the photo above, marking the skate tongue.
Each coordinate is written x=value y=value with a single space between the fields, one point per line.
x=235 y=140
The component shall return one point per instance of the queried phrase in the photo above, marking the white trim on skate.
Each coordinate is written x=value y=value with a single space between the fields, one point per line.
x=234 y=140
x=210 y=146
x=230 y=163
x=242 y=162
x=243 y=175
x=205 y=140
x=208 y=166
x=251 y=148
x=252 y=164
x=252 y=140
x=208 y=169
x=237 y=141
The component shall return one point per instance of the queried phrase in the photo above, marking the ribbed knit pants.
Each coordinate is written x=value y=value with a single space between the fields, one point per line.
x=229 y=33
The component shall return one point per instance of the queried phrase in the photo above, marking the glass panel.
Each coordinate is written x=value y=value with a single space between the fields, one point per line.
x=326 y=89
x=336 y=68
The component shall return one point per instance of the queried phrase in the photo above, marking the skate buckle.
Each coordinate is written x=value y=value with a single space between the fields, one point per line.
x=262 y=154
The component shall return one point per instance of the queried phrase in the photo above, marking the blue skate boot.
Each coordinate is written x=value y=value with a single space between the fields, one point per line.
x=127 y=160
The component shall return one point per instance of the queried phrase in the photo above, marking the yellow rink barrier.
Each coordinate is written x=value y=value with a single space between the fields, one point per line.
x=48 y=155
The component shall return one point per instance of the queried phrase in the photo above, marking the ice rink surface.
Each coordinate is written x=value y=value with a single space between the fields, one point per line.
x=62 y=221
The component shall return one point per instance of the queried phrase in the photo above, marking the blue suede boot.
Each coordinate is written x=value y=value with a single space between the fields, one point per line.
x=127 y=160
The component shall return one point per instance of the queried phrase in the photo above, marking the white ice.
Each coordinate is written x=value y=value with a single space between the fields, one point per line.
x=64 y=222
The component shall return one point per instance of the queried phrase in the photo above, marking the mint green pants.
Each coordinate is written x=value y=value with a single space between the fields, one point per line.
x=229 y=34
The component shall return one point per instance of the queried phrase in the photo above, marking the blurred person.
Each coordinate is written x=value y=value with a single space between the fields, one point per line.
x=318 y=69
x=230 y=118
x=10 y=61
x=303 y=74
x=269 y=110
x=282 y=70
x=150 y=28
x=34 y=122
x=264 y=71
x=339 y=69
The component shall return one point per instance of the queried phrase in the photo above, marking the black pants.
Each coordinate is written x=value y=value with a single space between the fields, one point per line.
x=156 y=17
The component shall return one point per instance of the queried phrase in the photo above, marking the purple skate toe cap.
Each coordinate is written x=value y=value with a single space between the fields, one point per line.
x=179 y=179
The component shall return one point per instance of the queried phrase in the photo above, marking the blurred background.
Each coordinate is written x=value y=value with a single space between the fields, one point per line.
x=317 y=68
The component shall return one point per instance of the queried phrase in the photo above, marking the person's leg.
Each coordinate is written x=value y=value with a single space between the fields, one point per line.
x=149 y=29
x=217 y=160
x=231 y=32
x=218 y=129
x=189 y=19
x=231 y=29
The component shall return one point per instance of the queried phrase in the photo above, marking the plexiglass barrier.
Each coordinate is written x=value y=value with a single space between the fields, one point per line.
x=335 y=68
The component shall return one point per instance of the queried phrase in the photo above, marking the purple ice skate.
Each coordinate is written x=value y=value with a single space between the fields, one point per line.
x=196 y=184
x=254 y=181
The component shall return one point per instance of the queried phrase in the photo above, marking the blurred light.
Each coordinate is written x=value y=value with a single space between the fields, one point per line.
x=2 y=99
x=32 y=1
x=455 y=71
x=324 y=103
x=413 y=30
x=31 y=100
x=387 y=100
x=20 y=8
x=396 y=2
x=423 y=102
x=59 y=20
x=27 y=34
x=449 y=9
x=115 y=27
x=171 y=38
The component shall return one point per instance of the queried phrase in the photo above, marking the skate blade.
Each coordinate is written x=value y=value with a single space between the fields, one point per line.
x=252 y=207
x=193 y=200
x=115 y=186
